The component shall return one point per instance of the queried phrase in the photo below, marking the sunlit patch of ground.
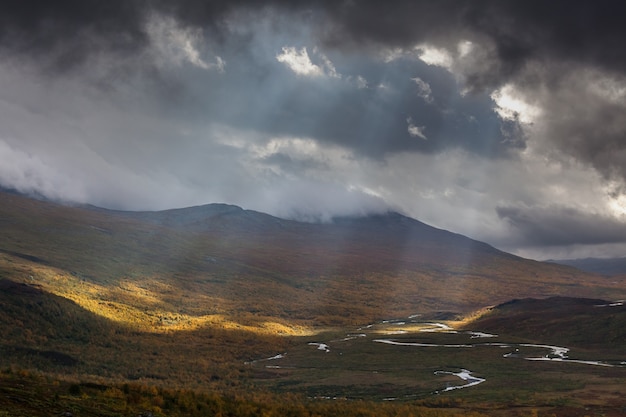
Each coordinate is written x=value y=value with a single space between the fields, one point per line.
x=393 y=329
x=141 y=305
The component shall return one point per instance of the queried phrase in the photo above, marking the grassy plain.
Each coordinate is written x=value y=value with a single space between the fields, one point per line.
x=358 y=366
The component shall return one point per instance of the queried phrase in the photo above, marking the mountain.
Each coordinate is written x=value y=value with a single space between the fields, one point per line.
x=602 y=266
x=180 y=312
x=186 y=268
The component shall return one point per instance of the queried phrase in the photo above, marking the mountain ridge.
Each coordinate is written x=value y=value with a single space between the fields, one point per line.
x=250 y=266
x=196 y=217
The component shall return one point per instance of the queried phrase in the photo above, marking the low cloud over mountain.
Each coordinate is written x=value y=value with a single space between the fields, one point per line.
x=494 y=119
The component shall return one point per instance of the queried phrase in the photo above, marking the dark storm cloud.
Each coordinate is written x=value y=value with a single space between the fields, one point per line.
x=558 y=225
x=158 y=103
x=372 y=121
x=68 y=32
x=520 y=31
x=512 y=35
x=589 y=32
x=584 y=118
x=581 y=31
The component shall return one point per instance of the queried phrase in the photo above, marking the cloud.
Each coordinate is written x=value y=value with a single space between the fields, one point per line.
x=415 y=131
x=583 y=117
x=501 y=120
x=515 y=32
x=369 y=121
x=30 y=174
x=434 y=56
x=175 y=45
x=67 y=34
x=564 y=59
x=298 y=61
x=423 y=89
x=563 y=225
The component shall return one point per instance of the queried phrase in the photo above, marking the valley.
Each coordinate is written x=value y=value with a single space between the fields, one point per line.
x=411 y=359
x=219 y=308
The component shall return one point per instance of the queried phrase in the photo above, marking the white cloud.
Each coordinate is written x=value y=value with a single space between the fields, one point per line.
x=415 y=131
x=175 y=45
x=298 y=61
x=31 y=174
x=361 y=82
x=432 y=55
x=429 y=54
x=423 y=89
x=328 y=65
x=464 y=48
x=616 y=202
x=511 y=105
x=390 y=55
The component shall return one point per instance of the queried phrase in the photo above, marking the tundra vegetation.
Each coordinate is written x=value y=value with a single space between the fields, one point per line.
x=220 y=311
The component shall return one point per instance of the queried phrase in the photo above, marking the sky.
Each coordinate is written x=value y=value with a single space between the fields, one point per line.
x=501 y=120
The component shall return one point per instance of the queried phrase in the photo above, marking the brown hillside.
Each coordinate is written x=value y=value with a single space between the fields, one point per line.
x=220 y=263
x=585 y=323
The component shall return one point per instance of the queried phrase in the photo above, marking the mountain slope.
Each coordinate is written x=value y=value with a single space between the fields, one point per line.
x=603 y=266
x=49 y=333
x=222 y=264
x=579 y=322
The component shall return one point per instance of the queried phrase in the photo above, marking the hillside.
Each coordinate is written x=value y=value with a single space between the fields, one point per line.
x=127 y=313
x=602 y=266
x=189 y=267
x=584 y=323
x=52 y=334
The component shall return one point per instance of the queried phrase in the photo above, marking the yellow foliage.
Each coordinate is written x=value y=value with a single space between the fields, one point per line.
x=136 y=306
x=114 y=392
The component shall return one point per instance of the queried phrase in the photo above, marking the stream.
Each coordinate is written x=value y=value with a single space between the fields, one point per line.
x=515 y=350
x=556 y=353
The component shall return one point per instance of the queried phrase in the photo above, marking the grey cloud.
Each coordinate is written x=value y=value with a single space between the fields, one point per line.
x=293 y=165
x=315 y=201
x=30 y=174
x=584 y=118
x=519 y=31
x=94 y=109
x=581 y=31
x=68 y=32
x=560 y=226
x=584 y=31
x=370 y=122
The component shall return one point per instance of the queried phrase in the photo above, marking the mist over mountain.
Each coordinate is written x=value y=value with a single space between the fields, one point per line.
x=390 y=172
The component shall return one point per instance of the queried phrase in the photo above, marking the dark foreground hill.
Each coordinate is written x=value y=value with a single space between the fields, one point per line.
x=580 y=322
x=219 y=263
